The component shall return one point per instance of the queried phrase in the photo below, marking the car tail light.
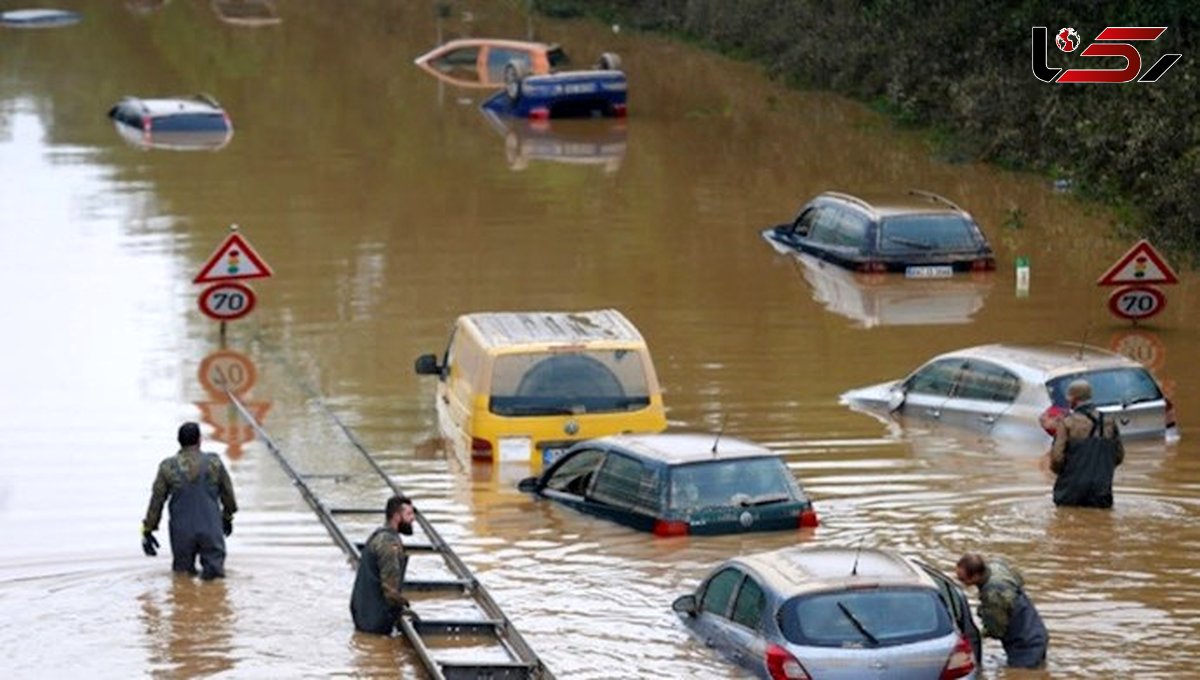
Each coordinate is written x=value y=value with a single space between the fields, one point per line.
x=961 y=662
x=481 y=448
x=1170 y=413
x=620 y=110
x=539 y=113
x=781 y=665
x=983 y=264
x=147 y=123
x=666 y=528
x=808 y=519
x=1051 y=416
x=871 y=267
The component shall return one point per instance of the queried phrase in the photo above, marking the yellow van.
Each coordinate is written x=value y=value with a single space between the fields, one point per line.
x=524 y=386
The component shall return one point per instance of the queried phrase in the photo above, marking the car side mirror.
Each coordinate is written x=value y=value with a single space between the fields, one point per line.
x=427 y=364
x=685 y=604
x=528 y=485
x=896 y=398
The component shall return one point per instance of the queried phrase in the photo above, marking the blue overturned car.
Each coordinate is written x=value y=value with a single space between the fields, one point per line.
x=594 y=93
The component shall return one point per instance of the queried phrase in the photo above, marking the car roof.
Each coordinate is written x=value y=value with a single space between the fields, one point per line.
x=797 y=570
x=681 y=448
x=912 y=202
x=509 y=329
x=1049 y=360
x=168 y=106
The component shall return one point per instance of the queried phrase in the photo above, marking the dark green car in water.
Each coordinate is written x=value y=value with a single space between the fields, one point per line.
x=678 y=484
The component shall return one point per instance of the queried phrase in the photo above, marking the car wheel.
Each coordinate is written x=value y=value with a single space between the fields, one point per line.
x=514 y=72
x=609 y=61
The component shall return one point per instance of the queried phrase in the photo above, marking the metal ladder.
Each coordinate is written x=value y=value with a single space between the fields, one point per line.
x=522 y=663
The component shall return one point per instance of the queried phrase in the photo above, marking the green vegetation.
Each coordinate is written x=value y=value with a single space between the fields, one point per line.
x=963 y=70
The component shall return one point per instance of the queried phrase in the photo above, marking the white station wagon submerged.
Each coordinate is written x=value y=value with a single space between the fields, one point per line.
x=1017 y=390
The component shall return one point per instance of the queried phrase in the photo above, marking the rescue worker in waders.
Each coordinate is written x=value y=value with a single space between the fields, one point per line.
x=1086 y=452
x=201 y=507
x=1006 y=611
x=376 y=603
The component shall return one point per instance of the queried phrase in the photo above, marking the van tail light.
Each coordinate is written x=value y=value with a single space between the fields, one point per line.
x=1049 y=419
x=481 y=448
x=808 y=519
x=620 y=110
x=781 y=665
x=983 y=264
x=961 y=662
x=1171 y=422
x=666 y=528
x=871 y=267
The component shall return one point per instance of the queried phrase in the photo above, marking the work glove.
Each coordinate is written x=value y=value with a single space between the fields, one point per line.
x=227 y=525
x=149 y=542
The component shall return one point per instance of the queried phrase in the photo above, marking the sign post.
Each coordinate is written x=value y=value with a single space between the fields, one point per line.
x=232 y=261
x=1136 y=272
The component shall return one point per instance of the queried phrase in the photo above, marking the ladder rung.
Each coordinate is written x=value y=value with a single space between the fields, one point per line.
x=454 y=584
x=355 y=511
x=327 y=475
x=491 y=670
x=455 y=627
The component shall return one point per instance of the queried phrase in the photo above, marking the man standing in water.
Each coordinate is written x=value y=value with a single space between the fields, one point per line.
x=201 y=507
x=376 y=603
x=1006 y=611
x=1086 y=452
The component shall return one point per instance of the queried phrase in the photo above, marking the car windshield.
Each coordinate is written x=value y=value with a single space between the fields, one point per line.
x=926 y=234
x=1111 y=386
x=741 y=482
x=569 y=383
x=870 y=616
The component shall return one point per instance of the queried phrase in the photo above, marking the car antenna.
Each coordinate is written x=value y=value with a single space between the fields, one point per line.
x=857 y=554
x=1083 y=341
x=720 y=432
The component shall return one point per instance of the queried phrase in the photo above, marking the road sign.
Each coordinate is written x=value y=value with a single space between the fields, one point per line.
x=227 y=301
x=1143 y=347
x=1142 y=264
x=233 y=259
x=227 y=369
x=1136 y=302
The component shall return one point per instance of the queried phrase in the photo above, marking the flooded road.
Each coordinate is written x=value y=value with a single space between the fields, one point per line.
x=387 y=205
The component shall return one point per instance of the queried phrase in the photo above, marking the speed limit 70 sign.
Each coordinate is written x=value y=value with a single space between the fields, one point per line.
x=1136 y=302
x=227 y=301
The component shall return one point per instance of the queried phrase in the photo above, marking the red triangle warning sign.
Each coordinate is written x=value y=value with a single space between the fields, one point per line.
x=1142 y=264
x=233 y=259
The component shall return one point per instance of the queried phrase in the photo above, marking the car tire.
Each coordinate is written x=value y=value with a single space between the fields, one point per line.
x=609 y=61
x=514 y=72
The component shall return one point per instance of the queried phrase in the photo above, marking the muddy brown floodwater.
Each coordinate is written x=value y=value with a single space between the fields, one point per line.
x=387 y=205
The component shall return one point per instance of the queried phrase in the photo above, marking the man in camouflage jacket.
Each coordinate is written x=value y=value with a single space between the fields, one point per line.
x=376 y=602
x=1086 y=452
x=1006 y=611
x=202 y=505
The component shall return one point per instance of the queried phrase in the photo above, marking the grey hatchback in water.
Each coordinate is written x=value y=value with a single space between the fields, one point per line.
x=805 y=613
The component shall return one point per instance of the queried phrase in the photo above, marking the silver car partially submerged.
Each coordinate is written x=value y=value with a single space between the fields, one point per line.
x=1018 y=390
x=801 y=613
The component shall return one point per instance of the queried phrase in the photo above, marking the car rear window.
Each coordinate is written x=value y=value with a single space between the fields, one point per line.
x=1110 y=386
x=872 y=617
x=724 y=483
x=569 y=383
x=926 y=234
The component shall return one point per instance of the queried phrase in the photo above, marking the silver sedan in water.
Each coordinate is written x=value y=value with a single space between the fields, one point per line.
x=1018 y=391
x=835 y=614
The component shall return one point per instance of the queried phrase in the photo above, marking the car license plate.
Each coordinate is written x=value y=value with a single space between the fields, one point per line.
x=940 y=271
x=515 y=449
x=551 y=454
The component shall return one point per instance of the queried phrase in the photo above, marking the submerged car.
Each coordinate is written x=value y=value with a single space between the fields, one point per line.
x=821 y=613
x=251 y=13
x=598 y=92
x=193 y=122
x=1018 y=390
x=481 y=62
x=39 y=18
x=919 y=233
x=678 y=484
